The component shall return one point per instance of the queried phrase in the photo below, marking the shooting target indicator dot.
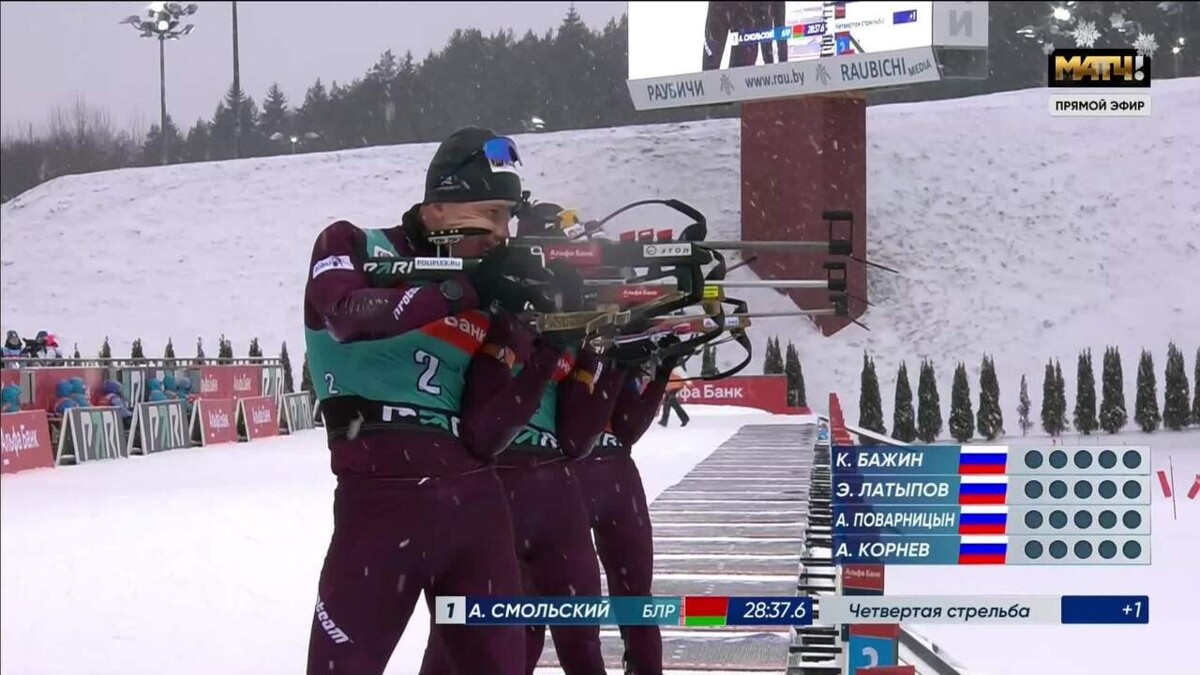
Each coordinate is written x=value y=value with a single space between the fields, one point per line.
x=1058 y=549
x=1083 y=459
x=1033 y=489
x=1058 y=520
x=1132 y=550
x=1132 y=489
x=1132 y=519
x=1083 y=489
x=1033 y=549
x=1108 y=459
x=1083 y=550
x=1108 y=549
x=1083 y=519
x=1033 y=459
x=1108 y=489
x=1034 y=520
x=1058 y=489
x=1131 y=459
x=1058 y=459
x=1107 y=520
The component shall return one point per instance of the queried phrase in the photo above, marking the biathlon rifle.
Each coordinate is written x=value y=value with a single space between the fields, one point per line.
x=637 y=287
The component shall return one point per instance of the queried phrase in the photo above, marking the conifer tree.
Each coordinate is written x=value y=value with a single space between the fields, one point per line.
x=962 y=421
x=1176 y=413
x=1060 y=396
x=199 y=351
x=929 y=404
x=1196 y=390
x=1024 y=408
x=1085 y=395
x=904 y=422
x=286 y=362
x=225 y=350
x=773 y=359
x=135 y=352
x=795 y=378
x=306 y=383
x=1145 y=406
x=255 y=350
x=1051 y=420
x=169 y=352
x=990 y=418
x=1113 y=416
x=870 y=401
x=105 y=350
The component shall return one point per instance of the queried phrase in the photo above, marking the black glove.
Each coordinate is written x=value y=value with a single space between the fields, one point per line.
x=500 y=278
x=563 y=339
x=632 y=354
x=567 y=285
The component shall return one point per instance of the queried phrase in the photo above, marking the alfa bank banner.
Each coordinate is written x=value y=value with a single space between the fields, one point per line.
x=227 y=382
x=260 y=416
x=765 y=392
x=26 y=441
x=215 y=421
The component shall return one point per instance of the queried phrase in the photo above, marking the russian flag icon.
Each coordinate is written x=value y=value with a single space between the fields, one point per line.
x=982 y=550
x=983 y=490
x=982 y=460
x=986 y=519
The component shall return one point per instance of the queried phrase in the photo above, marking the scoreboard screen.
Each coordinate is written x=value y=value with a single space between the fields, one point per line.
x=991 y=505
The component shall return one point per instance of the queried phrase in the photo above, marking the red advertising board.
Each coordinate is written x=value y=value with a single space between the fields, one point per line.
x=765 y=392
x=45 y=380
x=224 y=382
x=260 y=416
x=862 y=579
x=10 y=376
x=218 y=420
x=26 y=441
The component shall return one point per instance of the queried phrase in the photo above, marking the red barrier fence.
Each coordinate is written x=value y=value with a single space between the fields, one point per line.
x=26 y=441
x=224 y=400
x=765 y=392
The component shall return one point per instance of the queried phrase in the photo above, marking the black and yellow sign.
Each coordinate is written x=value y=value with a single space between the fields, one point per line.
x=1098 y=68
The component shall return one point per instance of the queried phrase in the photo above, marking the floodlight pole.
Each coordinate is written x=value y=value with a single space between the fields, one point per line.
x=237 y=89
x=162 y=96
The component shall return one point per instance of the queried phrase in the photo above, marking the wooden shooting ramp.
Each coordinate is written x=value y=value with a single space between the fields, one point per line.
x=735 y=525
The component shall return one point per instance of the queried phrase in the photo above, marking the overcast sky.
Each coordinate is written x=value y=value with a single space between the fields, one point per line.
x=52 y=52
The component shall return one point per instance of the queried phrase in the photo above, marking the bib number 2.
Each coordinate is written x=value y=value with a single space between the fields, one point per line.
x=425 y=382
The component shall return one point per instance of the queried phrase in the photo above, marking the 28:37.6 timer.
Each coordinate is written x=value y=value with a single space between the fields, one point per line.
x=779 y=611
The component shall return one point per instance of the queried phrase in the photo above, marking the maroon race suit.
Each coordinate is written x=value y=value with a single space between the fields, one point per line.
x=620 y=517
x=550 y=518
x=417 y=507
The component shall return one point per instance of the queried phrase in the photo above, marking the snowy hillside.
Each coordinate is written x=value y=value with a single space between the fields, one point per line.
x=1018 y=234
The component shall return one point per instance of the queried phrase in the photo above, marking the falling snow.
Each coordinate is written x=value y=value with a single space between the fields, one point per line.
x=1047 y=47
x=1145 y=44
x=1085 y=34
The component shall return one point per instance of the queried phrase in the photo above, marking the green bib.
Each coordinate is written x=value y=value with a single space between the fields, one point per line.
x=424 y=368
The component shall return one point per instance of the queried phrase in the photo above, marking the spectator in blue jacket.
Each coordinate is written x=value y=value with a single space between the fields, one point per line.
x=114 y=397
x=64 y=402
x=154 y=390
x=184 y=388
x=169 y=386
x=11 y=395
x=79 y=392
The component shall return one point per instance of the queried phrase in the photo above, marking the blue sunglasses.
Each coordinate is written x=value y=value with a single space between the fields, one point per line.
x=501 y=151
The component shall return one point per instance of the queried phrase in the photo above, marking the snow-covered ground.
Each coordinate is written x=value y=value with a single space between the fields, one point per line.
x=206 y=560
x=1021 y=235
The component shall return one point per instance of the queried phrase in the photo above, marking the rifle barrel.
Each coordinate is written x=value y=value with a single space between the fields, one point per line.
x=789 y=246
x=725 y=283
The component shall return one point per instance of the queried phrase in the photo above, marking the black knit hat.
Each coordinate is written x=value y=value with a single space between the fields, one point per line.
x=461 y=170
